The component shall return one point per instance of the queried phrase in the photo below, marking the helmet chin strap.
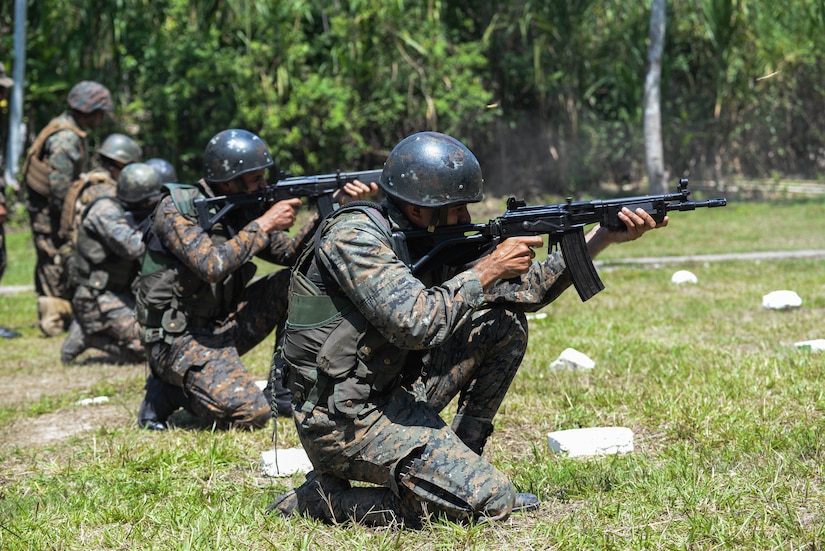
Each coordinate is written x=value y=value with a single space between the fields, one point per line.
x=439 y=215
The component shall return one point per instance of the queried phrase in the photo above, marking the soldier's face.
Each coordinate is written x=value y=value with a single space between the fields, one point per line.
x=421 y=216
x=96 y=118
x=253 y=181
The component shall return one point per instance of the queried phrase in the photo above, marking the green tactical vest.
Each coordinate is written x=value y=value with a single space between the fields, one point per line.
x=170 y=298
x=333 y=356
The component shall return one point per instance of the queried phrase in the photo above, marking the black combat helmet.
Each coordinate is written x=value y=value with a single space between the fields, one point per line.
x=430 y=169
x=167 y=172
x=137 y=183
x=234 y=152
x=120 y=148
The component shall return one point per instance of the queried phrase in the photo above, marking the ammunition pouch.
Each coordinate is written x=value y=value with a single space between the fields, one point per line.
x=37 y=176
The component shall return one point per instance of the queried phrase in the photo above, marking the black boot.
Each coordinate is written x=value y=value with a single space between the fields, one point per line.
x=161 y=401
x=6 y=333
x=332 y=500
x=74 y=344
x=526 y=502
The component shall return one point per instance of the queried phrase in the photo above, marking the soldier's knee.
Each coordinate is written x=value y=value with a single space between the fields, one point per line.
x=254 y=417
x=503 y=326
x=497 y=503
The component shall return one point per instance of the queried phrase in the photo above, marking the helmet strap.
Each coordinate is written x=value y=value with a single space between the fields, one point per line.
x=439 y=215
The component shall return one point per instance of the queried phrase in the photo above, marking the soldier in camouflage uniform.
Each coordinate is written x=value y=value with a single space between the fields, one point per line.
x=5 y=84
x=197 y=314
x=374 y=354
x=116 y=151
x=56 y=159
x=109 y=244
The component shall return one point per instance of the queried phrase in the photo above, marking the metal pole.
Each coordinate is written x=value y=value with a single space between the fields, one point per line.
x=16 y=127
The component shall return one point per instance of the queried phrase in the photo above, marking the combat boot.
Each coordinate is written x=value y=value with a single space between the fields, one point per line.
x=74 y=345
x=161 y=401
x=526 y=502
x=332 y=500
x=307 y=499
x=6 y=333
x=54 y=315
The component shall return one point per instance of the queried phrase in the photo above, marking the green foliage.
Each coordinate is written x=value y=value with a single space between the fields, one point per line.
x=548 y=94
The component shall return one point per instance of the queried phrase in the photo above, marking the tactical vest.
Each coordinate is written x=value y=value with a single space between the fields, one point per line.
x=333 y=355
x=94 y=266
x=85 y=190
x=36 y=169
x=170 y=298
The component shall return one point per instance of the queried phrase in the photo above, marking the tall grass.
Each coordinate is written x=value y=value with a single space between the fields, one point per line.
x=728 y=418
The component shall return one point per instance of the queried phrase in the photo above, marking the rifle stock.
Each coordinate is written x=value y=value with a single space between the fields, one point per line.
x=564 y=223
x=318 y=189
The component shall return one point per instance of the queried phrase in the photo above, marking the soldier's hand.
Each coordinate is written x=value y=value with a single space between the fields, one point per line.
x=355 y=191
x=636 y=224
x=280 y=216
x=511 y=258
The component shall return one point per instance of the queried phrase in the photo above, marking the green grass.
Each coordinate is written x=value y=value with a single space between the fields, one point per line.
x=728 y=418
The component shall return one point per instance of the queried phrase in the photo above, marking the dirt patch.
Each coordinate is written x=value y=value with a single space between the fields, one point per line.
x=29 y=387
x=28 y=384
x=45 y=430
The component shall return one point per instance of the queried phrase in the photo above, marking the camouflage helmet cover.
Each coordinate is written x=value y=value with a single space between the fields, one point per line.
x=88 y=96
x=165 y=170
x=234 y=152
x=430 y=169
x=138 y=182
x=120 y=148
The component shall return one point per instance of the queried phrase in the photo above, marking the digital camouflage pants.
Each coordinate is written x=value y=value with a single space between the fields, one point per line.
x=400 y=443
x=206 y=362
x=107 y=322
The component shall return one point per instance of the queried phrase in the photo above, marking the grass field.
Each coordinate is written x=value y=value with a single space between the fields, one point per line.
x=727 y=413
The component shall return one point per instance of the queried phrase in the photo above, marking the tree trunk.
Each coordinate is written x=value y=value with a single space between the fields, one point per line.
x=654 y=152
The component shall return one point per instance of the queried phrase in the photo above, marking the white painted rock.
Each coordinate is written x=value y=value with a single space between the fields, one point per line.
x=92 y=401
x=781 y=300
x=285 y=462
x=536 y=316
x=592 y=441
x=260 y=384
x=572 y=360
x=683 y=276
x=816 y=345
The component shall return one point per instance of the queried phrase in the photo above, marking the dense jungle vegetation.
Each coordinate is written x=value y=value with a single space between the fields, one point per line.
x=548 y=94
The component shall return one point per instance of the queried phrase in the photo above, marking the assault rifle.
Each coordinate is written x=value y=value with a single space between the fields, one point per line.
x=318 y=189
x=563 y=222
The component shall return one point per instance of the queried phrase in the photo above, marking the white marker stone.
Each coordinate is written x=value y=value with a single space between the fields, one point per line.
x=572 y=360
x=683 y=276
x=816 y=345
x=592 y=441
x=285 y=462
x=781 y=300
